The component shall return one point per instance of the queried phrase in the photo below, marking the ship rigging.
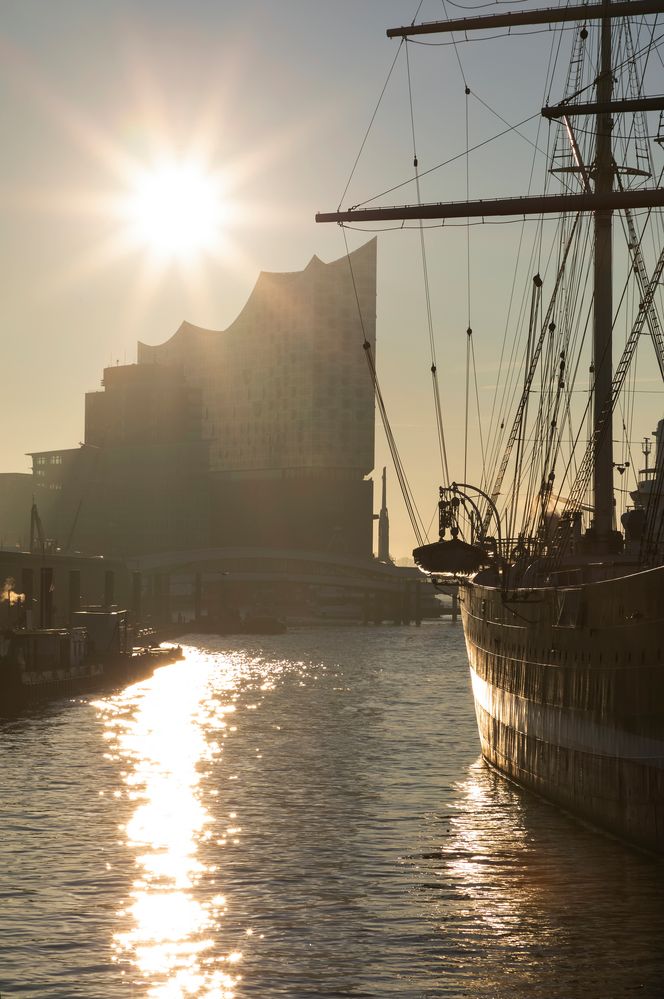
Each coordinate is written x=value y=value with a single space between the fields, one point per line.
x=570 y=697
x=601 y=199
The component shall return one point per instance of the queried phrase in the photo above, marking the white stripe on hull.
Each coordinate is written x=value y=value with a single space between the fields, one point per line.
x=563 y=727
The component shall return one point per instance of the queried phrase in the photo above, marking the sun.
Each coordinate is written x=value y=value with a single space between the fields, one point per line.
x=177 y=210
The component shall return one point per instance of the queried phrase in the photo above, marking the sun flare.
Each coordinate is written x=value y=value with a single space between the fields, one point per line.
x=177 y=210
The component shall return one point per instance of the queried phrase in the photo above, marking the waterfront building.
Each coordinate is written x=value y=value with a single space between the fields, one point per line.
x=15 y=501
x=44 y=589
x=228 y=469
x=260 y=435
x=288 y=408
x=138 y=482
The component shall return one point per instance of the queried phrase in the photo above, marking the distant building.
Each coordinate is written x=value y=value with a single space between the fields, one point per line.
x=139 y=482
x=140 y=406
x=286 y=387
x=52 y=586
x=16 y=489
x=60 y=479
x=288 y=408
x=260 y=435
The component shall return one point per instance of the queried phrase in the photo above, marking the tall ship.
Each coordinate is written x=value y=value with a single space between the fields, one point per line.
x=559 y=549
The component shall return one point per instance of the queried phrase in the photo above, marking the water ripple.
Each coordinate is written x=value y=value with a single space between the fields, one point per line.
x=303 y=816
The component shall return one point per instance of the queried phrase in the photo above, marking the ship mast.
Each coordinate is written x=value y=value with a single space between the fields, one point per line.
x=603 y=298
x=602 y=201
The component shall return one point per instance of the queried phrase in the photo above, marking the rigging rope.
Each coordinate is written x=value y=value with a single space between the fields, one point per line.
x=370 y=125
x=583 y=476
x=427 y=295
x=469 y=329
x=406 y=491
x=554 y=407
x=479 y=417
x=470 y=347
x=497 y=419
x=469 y=334
x=511 y=128
x=409 y=500
x=530 y=374
x=452 y=159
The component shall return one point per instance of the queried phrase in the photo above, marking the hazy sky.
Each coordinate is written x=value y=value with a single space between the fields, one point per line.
x=274 y=98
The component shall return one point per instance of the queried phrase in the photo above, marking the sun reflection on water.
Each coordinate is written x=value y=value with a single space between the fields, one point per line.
x=163 y=733
x=489 y=855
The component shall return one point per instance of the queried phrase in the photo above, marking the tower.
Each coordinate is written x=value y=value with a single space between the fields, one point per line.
x=384 y=526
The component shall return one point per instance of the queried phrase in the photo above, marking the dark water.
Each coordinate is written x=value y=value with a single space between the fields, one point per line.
x=304 y=815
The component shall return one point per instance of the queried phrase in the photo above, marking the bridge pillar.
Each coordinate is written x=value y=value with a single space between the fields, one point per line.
x=46 y=589
x=136 y=596
x=405 y=603
x=394 y=604
x=109 y=588
x=165 y=614
x=74 y=593
x=161 y=597
x=198 y=595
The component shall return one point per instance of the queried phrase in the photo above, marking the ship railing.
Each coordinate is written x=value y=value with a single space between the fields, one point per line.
x=521 y=547
x=647 y=476
x=571 y=576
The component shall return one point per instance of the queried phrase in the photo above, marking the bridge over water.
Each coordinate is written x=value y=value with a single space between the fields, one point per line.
x=298 y=583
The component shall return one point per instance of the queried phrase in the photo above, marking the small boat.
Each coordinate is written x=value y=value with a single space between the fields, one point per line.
x=45 y=664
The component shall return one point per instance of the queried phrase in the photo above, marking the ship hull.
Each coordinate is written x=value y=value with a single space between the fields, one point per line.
x=568 y=684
